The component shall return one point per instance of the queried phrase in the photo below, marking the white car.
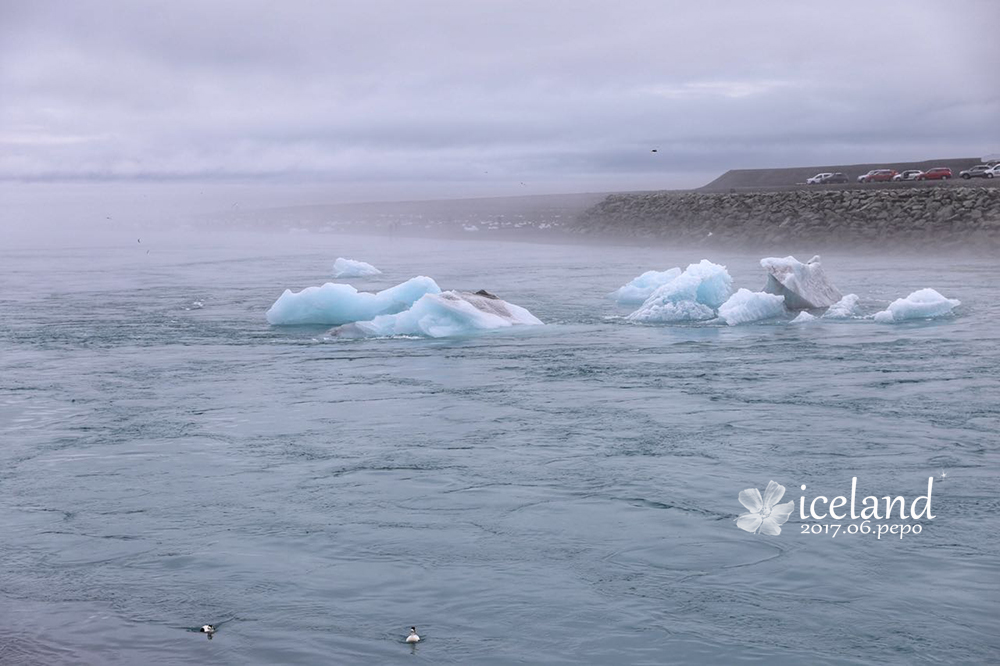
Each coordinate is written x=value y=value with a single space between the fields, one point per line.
x=995 y=171
x=818 y=178
x=909 y=174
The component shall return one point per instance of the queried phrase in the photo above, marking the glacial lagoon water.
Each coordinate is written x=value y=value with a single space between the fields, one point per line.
x=562 y=494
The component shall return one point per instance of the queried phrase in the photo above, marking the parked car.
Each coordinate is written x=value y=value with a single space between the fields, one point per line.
x=995 y=170
x=879 y=176
x=818 y=178
x=978 y=171
x=863 y=178
x=937 y=173
x=909 y=174
x=823 y=178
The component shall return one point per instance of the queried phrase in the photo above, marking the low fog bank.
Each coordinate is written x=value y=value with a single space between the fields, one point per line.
x=945 y=219
x=538 y=217
x=41 y=214
x=84 y=209
x=91 y=213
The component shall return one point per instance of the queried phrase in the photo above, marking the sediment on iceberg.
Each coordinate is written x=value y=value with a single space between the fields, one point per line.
x=450 y=313
x=333 y=304
x=921 y=304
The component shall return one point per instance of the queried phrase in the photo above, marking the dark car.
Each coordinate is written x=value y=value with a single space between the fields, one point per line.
x=978 y=171
x=836 y=178
x=937 y=173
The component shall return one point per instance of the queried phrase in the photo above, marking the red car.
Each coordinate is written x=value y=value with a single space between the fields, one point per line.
x=879 y=176
x=937 y=173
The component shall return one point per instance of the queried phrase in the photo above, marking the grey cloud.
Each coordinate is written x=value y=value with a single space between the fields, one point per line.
x=435 y=93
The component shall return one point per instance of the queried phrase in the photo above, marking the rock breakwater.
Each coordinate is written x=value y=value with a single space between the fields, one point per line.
x=948 y=216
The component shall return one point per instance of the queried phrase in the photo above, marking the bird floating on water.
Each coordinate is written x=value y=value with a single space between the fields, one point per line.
x=208 y=629
x=413 y=638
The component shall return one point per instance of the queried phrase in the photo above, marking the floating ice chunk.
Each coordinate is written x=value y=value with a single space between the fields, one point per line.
x=334 y=304
x=802 y=285
x=715 y=284
x=692 y=295
x=446 y=314
x=349 y=268
x=803 y=318
x=642 y=287
x=671 y=312
x=921 y=304
x=746 y=306
x=845 y=308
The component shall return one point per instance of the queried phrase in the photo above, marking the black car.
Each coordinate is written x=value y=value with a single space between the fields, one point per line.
x=978 y=171
x=836 y=178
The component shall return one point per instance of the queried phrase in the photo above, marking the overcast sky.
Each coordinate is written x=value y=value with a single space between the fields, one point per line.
x=346 y=101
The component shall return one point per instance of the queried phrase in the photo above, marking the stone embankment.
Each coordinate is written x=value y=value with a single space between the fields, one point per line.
x=943 y=216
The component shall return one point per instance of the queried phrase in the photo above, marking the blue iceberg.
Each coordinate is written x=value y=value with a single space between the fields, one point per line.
x=691 y=296
x=746 y=306
x=334 y=304
x=446 y=314
x=642 y=287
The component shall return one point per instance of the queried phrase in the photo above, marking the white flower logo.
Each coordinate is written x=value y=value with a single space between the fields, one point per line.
x=764 y=516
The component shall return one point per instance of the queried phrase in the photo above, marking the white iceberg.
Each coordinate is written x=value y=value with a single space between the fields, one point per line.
x=803 y=318
x=691 y=296
x=921 y=304
x=845 y=308
x=672 y=312
x=442 y=315
x=746 y=306
x=642 y=287
x=350 y=268
x=803 y=285
x=334 y=304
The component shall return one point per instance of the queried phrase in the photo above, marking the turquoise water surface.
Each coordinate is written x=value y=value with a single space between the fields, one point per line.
x=562 y=494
